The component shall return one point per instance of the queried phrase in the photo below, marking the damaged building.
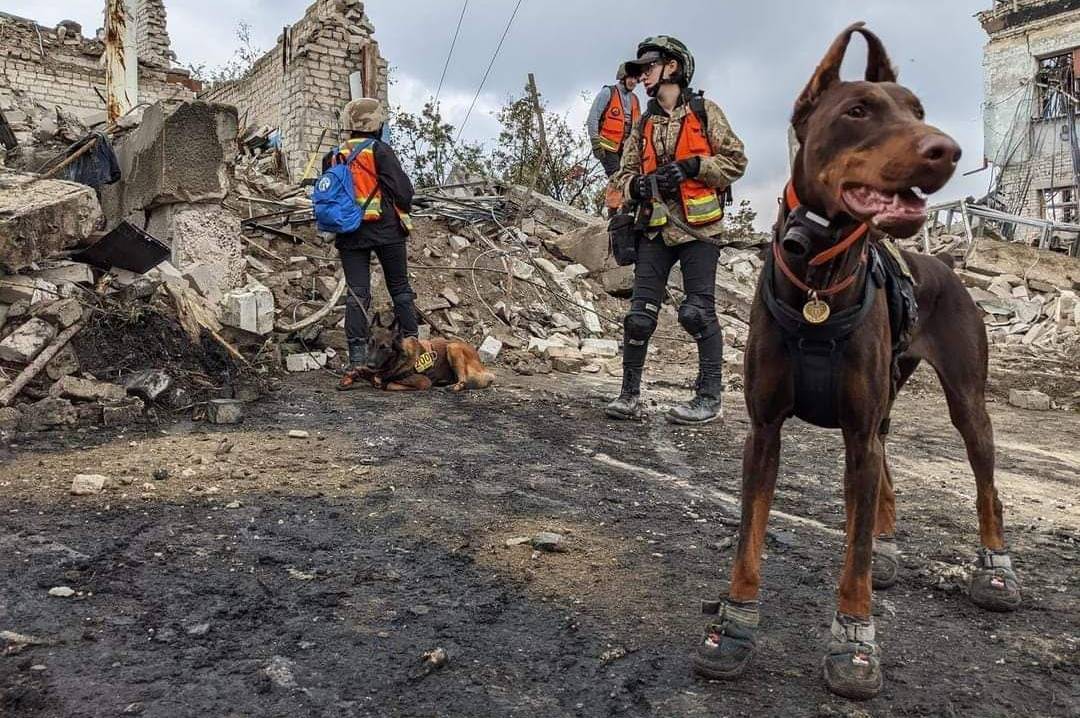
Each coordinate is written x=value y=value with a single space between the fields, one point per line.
x=1031 y=65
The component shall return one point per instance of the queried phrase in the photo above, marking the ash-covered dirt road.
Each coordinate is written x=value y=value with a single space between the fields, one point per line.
x=235 y=571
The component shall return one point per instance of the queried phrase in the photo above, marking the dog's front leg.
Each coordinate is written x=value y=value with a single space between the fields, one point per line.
x=852 y=663
x=730 y=641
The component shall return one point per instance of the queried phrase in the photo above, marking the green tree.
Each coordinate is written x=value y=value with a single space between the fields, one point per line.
x=426 y=147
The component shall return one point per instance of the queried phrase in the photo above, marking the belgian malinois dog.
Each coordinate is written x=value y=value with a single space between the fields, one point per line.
x=399 y=363
x=867 y=159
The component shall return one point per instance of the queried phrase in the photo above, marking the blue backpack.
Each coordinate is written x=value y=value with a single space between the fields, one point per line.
x=334 y=198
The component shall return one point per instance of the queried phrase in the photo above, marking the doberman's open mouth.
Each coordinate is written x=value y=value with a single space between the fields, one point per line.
x=885 y=209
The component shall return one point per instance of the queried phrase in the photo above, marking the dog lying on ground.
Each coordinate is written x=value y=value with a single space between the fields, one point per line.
x=397 y=363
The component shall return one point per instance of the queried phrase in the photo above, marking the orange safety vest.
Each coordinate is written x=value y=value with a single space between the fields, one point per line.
x=366 y=182
x=701 y=203
x=613 y=128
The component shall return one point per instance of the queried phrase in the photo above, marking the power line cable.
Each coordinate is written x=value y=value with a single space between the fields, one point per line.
x=450 y=54
x=495 y=55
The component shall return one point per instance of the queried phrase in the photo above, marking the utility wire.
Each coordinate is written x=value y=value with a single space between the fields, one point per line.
x=450 y=54
x=498 y=47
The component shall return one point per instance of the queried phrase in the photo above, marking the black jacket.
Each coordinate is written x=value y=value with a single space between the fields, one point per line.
x=397 y=191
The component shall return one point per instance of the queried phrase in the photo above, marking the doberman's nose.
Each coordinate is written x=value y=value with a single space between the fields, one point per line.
x=939 y=150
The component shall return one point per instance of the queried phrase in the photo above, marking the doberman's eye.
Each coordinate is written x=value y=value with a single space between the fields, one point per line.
x=920 y=113
x=856 y=111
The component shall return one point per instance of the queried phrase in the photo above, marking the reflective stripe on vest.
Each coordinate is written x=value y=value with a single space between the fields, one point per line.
x=700 y=202
x=365 y=179
x=613 y=127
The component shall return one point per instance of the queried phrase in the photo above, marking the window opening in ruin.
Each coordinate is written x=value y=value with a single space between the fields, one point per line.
x=1056 y=85
x=1059 y=204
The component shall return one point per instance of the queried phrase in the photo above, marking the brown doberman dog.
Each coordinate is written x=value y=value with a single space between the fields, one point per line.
x=823 y=346
x=397 y=363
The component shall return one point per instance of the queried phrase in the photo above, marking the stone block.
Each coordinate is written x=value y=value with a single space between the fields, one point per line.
x=587 y=246
x=568 y=364
x=224 y=411
x=573 y=271
x=26 y=342
x=40 y=219
x=9 y=420
x=489 y=349
x=66 y=272
x=72 y=387
x=250 y=309
x=458 y=243
x=600 y=347
x=618 y=282
x=1066 y=307
x=1033 y=399
x=48 y=413
x=64 y=363
x=62 y=313
x=29 y=290
x=122 y=413
x=305 y=361
x=88 y=484
x=209 y=237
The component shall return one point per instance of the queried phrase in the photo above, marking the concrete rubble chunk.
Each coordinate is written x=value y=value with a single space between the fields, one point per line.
x=88 y=484
x=72 y=387
x=522 y=270
x=39 y=218
x=1029 y=399
x=65 y=362
x=209 y=237
x=9 y=420
x=63 y=313
x=26 y=342
x=30 y=290
x=148 y=384
x=600 y=347
x=489 y=349
x=48 y=413
x=224 y=411
x=250 y=309
x=1066 y=308
x=305 y=361
x=458 y=243
x=66 y=272
x=573 y=271
x=568 y=364
x=124 y=412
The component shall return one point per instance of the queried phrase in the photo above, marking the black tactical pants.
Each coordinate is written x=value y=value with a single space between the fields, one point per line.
x=357 y=266
x=697 y=313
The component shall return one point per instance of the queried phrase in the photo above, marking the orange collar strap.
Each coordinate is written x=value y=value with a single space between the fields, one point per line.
x=792 y=200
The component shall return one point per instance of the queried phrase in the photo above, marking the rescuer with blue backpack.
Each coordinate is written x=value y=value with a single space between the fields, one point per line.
x=364 y=198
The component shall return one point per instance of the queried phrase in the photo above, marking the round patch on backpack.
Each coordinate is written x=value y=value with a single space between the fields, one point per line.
x=324 y=184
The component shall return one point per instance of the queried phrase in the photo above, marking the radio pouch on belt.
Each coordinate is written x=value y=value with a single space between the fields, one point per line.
x=623 y=238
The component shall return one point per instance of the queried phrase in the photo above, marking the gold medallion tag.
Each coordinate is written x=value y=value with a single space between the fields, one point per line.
x=816 y=311
x=424 y=362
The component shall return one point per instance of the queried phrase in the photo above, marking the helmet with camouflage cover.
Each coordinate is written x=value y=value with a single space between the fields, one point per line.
x=665 y=47
x=622 y=72
x=364 y=114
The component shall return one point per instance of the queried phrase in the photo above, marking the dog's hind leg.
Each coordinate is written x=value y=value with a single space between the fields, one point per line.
x=470 y=373
x=886 y=558
x=994 y=585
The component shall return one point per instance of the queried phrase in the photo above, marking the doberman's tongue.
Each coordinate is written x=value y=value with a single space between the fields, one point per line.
x=884 y=208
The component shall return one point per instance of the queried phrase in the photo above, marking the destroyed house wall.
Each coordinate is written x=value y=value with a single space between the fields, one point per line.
x=300 y=86
x=63 y=68
x=1032 y=153
x=152 y=35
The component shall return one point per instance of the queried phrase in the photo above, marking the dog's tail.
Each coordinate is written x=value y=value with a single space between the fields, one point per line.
x=481 y=380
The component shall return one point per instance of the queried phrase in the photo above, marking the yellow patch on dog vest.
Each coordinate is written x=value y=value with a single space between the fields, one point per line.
x=425 y=361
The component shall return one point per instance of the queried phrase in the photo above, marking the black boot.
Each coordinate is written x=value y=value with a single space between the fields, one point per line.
x=628 y=403
x=707 y=402
x=357 y=371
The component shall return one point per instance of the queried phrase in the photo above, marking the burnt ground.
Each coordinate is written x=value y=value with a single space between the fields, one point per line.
x=274 y=576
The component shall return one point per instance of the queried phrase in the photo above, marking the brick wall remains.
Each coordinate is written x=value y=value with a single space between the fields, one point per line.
x=301 y=85
x=64 y=69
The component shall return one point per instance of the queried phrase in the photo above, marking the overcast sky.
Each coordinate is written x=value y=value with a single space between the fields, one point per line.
x=753 y=58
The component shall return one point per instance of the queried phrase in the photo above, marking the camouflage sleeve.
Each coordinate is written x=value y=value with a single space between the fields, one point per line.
x=728 y=162
x=630 y=166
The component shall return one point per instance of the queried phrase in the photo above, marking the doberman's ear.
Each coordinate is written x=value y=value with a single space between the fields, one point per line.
x=878 y=69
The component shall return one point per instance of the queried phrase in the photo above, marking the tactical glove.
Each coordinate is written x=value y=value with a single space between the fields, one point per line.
x=641 y=187
x=674 y=174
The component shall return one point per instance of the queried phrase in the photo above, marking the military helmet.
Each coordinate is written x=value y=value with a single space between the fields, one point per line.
x=365 y=114
x=666 y=47
x=622 y=72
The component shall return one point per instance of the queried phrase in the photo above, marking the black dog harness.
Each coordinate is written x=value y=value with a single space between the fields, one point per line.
x=817 y=349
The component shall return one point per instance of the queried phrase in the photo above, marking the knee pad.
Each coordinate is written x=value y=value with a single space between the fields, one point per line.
x=640 y=322
x=697 y=315
x=403 y=299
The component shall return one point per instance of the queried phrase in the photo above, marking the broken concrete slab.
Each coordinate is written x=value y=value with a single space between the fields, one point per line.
x=600 y=347
x=458 y=243
x=209 y=237
x=65 y=363
x=88 y=484
x=72 y=387
x=48 y=413
x=586 y=246
x=39 y=218
x=124 y=412
x=182 y=156
x=63 y=313
x=305 y=361
x=26 y=342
